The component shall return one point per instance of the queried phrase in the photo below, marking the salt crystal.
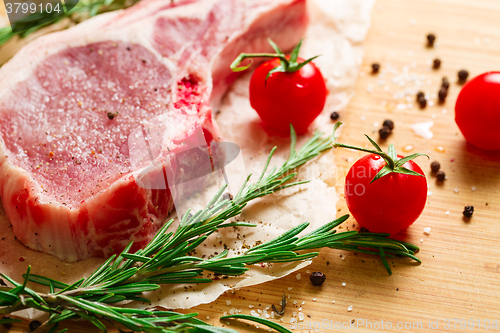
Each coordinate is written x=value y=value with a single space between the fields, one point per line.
x=444 y=111
x=293 y=320
x=423 y=129
x=301 y=316
x=473 y=188
x=455 y=190
x=298 y=276
x=429 y=193
x=363 y=118
x=434 y=116
x=375 y=124
x=314 y=299
x=333 y=302
x=421 y=240
x=208 y=317
x=349 y=308
x=343 y=284
x=427 y=230
x=251 y=306
x=228 y=302
x=447 y=212
x=369 y=88
x=294 y=302
x=413 y=22
x=308 y=272
x=289 y=288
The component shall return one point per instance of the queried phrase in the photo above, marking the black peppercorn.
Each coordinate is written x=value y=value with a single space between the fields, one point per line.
x=468 y=211
x=34 y=325
x=436 y=63
x=384 y=132
x=227 y=196
x=317 y=278
x=462 y=76
x=7 y=325
x=334 y=116
x=388 y=123
x=112 y=115
x=422 y=102
x=431 y=38
x=443 y=92
x=420 y=95
x=435 y=166
x=375 y=68
x=441 y=176
x=445 y=83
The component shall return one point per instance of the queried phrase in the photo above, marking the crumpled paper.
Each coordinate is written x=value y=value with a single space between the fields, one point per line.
x=336 y=32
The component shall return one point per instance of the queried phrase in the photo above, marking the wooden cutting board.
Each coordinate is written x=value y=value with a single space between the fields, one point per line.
x=460 y=274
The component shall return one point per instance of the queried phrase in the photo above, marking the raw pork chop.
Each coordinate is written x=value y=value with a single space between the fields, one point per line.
x=69 y=100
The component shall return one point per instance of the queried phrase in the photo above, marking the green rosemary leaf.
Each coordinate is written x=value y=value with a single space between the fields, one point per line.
x=384 y=260
x=8 y=297
x=95 y=277
x=136 y=257
x=101 y=310
x=327 y=227
x=96 y=322
x=127 y=289
x=119 y=259
x=46 y=281
x=54 y=328
x=266 y=165
x=266 y=322
x=71 y=287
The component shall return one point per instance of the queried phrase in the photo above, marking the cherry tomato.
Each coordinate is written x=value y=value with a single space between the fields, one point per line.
x=477 y=111
x=389 y=204
x=286 y=98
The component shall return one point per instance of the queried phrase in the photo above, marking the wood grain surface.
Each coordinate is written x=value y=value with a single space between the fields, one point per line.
x=460 y=274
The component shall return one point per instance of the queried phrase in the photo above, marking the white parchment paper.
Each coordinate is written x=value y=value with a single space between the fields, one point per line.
x=337 y=31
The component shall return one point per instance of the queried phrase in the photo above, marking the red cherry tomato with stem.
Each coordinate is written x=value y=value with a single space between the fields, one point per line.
x=285 y=90
x=389 y=204
x=384 y=192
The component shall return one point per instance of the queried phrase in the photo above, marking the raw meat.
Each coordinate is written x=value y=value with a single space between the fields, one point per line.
x=70 y=100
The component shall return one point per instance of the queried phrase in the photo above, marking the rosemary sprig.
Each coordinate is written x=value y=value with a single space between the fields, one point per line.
x=167 y=260
x=80 y=12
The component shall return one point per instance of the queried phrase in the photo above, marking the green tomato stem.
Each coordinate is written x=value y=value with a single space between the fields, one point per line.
x=390 y=162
